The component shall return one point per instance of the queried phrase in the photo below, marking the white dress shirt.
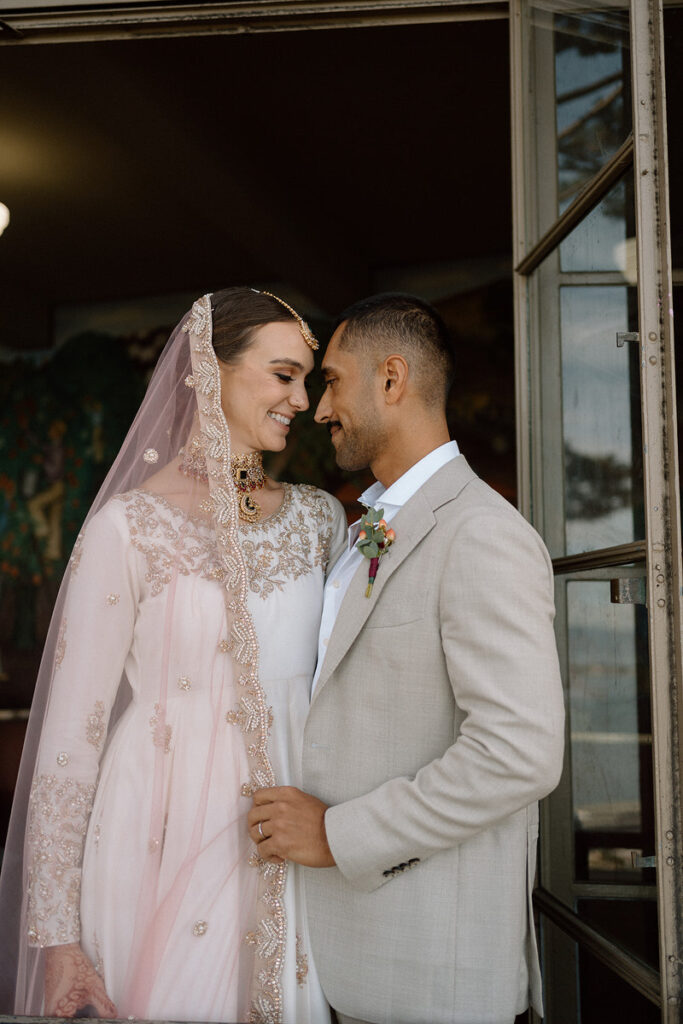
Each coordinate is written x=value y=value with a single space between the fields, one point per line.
x=391 y=499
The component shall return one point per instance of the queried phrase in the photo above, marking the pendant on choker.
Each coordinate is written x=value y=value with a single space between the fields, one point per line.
x=248 y=476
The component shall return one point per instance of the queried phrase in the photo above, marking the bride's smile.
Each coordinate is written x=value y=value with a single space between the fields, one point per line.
x=264 y=388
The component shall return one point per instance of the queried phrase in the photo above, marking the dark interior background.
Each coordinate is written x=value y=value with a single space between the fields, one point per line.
x=317 y=158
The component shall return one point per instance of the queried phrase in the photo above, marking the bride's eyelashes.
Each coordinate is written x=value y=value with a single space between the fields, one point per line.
x=290 y=380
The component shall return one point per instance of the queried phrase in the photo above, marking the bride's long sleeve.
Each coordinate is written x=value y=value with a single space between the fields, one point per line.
x=94 y=641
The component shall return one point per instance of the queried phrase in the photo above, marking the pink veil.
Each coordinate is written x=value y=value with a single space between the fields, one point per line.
x=182 y=407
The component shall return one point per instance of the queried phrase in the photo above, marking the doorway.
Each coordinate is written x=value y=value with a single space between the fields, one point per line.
x=331 y=164
x=140 y=174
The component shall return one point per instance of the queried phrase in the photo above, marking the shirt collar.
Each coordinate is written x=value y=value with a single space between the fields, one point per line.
x=405 y=487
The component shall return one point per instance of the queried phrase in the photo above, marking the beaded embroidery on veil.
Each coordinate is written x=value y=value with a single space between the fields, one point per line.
x=252 y=713
x=182 y=406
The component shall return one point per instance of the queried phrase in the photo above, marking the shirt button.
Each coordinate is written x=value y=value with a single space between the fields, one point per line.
x=336 y=584
x=326 y=641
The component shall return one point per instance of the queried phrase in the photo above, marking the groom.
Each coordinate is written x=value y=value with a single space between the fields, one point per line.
x=436 y=720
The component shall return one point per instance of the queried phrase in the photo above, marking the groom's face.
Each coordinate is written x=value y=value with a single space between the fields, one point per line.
x=349 y=407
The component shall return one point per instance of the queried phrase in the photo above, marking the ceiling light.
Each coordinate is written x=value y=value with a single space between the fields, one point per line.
x=4 y=217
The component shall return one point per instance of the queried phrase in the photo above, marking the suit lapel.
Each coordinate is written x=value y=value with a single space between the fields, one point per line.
x=412 y=523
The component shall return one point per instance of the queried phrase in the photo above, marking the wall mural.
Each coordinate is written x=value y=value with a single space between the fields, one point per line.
x=63 y=418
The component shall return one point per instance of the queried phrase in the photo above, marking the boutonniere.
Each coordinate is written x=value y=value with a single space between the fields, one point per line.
x=374 y=540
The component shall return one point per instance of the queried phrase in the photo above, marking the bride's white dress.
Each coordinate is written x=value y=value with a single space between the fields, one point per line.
x=174 y=935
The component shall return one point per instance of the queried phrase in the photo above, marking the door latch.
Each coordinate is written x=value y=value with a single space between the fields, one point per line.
x=624 y=336
x=638 y=861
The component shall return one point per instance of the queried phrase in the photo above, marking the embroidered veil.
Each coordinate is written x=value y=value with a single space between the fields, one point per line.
x=58 y=782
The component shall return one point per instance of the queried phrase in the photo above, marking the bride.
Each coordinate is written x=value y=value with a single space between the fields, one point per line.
x=175 y=683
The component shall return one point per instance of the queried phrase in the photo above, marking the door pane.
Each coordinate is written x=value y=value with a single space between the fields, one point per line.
x=635 y=919
x=605 y=239
x=591 y=83
x=582 y=990
x=610 y=732
x=603 y=472
x=579 y=78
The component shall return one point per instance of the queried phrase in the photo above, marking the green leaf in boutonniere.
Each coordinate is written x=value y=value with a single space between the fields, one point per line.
x=374 y=539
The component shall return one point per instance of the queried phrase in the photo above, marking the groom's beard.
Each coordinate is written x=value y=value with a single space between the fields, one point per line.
x=357 y=446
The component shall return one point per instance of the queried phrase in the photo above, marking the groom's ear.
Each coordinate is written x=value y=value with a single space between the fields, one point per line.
x=395 y=377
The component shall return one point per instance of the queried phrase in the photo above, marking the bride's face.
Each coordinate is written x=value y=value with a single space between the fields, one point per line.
x=263 y=391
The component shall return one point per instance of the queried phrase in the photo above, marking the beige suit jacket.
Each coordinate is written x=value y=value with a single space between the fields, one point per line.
x=436 y=726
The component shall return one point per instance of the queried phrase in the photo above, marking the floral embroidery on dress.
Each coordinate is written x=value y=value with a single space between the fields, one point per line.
x=95 y=726
x=76 y=554
x=301 y=543
x=169 y=539
x=58 y=815
x=161 y=732
x=301 y=963
x=99 y=962
x=60 y=646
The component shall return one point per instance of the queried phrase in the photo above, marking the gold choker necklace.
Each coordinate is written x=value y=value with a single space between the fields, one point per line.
x=248 y=475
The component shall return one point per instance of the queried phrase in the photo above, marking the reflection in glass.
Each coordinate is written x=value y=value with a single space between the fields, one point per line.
x=605 y=239
x=611 y=735
x=603 y=471
x=593 y=105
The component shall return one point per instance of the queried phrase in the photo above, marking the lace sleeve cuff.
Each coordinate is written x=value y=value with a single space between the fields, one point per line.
x=59 y=810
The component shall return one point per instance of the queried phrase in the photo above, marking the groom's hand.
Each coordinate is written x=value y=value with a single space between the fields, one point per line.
x=292 y=827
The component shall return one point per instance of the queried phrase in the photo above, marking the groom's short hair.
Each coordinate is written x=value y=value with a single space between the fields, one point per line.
x=397 y=322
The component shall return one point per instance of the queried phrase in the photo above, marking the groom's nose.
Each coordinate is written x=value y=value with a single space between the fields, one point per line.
x=322 y=413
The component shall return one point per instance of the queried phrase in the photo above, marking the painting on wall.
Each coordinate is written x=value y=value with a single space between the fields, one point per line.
x=63 y=415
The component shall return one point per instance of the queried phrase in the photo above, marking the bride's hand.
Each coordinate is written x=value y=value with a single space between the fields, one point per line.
x=71 y=983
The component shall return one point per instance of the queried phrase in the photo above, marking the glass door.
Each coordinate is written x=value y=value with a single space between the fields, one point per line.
x=597 y=472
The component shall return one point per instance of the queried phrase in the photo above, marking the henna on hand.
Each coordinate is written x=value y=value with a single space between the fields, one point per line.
x=71 y=982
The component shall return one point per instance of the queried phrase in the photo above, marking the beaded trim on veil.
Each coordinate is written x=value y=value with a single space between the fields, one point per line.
x=252 y=714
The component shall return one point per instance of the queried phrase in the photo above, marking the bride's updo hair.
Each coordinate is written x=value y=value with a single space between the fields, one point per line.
x=237 y=314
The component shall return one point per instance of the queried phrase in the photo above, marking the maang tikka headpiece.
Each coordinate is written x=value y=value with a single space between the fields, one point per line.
x=306 y=332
